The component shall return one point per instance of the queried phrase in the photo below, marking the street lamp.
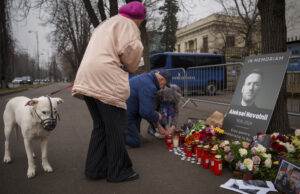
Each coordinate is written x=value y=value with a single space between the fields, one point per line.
x=37 y=48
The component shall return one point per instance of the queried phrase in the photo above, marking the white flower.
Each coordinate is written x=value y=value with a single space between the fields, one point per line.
x=268 y=163
x=248 y=163
x=282 y=143
x=261 y=149
x=268 y=156
x=275 y=134
x=290 y=148
x=243 y=152
x=226 y=142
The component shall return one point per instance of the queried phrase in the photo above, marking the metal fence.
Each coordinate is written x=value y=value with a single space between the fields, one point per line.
x=216 y=84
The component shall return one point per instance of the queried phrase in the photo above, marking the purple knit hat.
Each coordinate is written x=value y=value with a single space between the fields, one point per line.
x=134 y=9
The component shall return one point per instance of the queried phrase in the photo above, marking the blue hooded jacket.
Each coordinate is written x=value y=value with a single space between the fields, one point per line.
x=140 y=104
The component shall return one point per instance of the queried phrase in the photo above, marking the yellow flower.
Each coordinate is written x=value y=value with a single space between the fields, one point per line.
x=219 y=130
x=276 y=163
x=248 y=163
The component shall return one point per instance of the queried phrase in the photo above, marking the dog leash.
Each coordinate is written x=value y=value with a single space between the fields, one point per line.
x=69 y=86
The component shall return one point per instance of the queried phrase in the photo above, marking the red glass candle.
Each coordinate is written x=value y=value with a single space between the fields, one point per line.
x=177 y=132
x=195 y=146
x=199 y=152
x=182 y=137
x=189 y=151
x=169 y=142
x=218 y=165
x=213 y=152
x=185 y=146
x=205 y=158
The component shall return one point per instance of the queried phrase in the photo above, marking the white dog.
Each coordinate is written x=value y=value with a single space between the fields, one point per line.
x=36 y=117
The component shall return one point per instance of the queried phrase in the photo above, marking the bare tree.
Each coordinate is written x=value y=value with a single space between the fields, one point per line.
x=273 y=30
x=4 y=41
x=113 y=10
x=247 y=11
x=72 y=29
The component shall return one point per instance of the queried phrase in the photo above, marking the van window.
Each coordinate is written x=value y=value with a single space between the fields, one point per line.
x=183 y=61
x=207 y=60
x=158 y=61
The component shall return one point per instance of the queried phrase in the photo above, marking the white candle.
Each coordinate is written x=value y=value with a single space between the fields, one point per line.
x=175 y=141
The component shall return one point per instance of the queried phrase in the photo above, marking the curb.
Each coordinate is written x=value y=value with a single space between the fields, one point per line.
x=12 y=92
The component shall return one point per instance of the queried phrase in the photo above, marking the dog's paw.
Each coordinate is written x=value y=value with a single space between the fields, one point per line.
x=7 y=159
x=30 y=173
x=47 y=168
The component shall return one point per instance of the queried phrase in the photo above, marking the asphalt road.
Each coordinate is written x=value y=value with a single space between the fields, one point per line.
x=161 y=172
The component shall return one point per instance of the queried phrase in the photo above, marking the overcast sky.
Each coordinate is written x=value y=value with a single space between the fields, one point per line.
x=27 y=41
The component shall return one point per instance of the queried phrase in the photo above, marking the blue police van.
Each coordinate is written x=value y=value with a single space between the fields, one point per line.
x=197 y=72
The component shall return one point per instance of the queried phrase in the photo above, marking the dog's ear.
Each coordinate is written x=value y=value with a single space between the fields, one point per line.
x=58 y=100
x=32 y=102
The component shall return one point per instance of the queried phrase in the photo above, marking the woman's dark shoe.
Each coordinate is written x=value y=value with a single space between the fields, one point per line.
x=132 y=177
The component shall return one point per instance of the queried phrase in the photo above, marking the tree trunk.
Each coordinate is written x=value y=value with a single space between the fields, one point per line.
x=144 y=37
x=273 y=31
x=101 y=10
x=4 y=53
x=113 y=7
x=91 y=12
x=145 y=41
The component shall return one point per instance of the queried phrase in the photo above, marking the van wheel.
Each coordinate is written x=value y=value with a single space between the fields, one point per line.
x=211 y=89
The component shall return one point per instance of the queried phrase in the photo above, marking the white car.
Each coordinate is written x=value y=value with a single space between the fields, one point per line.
x=17 y=80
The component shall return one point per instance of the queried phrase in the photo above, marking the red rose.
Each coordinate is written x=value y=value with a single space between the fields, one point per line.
x=274 y=145
x=281 y=138
x=273 y=138
x=280 y=148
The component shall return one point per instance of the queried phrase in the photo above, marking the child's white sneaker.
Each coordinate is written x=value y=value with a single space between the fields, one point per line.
x=158 y=135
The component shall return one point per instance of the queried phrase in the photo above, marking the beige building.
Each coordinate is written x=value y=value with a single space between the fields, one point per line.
x=216 y=33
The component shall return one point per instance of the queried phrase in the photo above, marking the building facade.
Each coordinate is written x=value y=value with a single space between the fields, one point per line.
x=217 y=33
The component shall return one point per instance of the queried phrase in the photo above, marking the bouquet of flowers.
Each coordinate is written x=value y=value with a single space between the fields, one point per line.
x=200 y=131
x=285 y=146
x=240 y=156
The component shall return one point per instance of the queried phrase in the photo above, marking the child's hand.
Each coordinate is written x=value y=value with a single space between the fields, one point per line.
x=161 y=130
x=159 y=117
x=170 y=130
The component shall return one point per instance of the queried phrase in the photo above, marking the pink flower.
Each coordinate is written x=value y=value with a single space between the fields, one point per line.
x=238 y=164
x=246 y=144
x=254 y=150
x=226 y=148
x=208 y=129
x=222 y=145
x=202 y=137
x=236 y=143
x=229 y=157
x=256 y=159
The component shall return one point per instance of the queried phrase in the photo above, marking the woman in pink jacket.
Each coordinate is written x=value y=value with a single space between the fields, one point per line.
x=102 y=82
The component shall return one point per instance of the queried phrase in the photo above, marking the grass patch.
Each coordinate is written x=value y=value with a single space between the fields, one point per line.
x=21 y=88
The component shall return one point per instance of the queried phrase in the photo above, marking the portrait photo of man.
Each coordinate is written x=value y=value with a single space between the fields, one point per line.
x=251 y=87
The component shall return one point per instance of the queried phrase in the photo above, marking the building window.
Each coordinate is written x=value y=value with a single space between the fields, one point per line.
x=178 y=48
x=230 y=41
x=205 y=45
x=191 y=46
